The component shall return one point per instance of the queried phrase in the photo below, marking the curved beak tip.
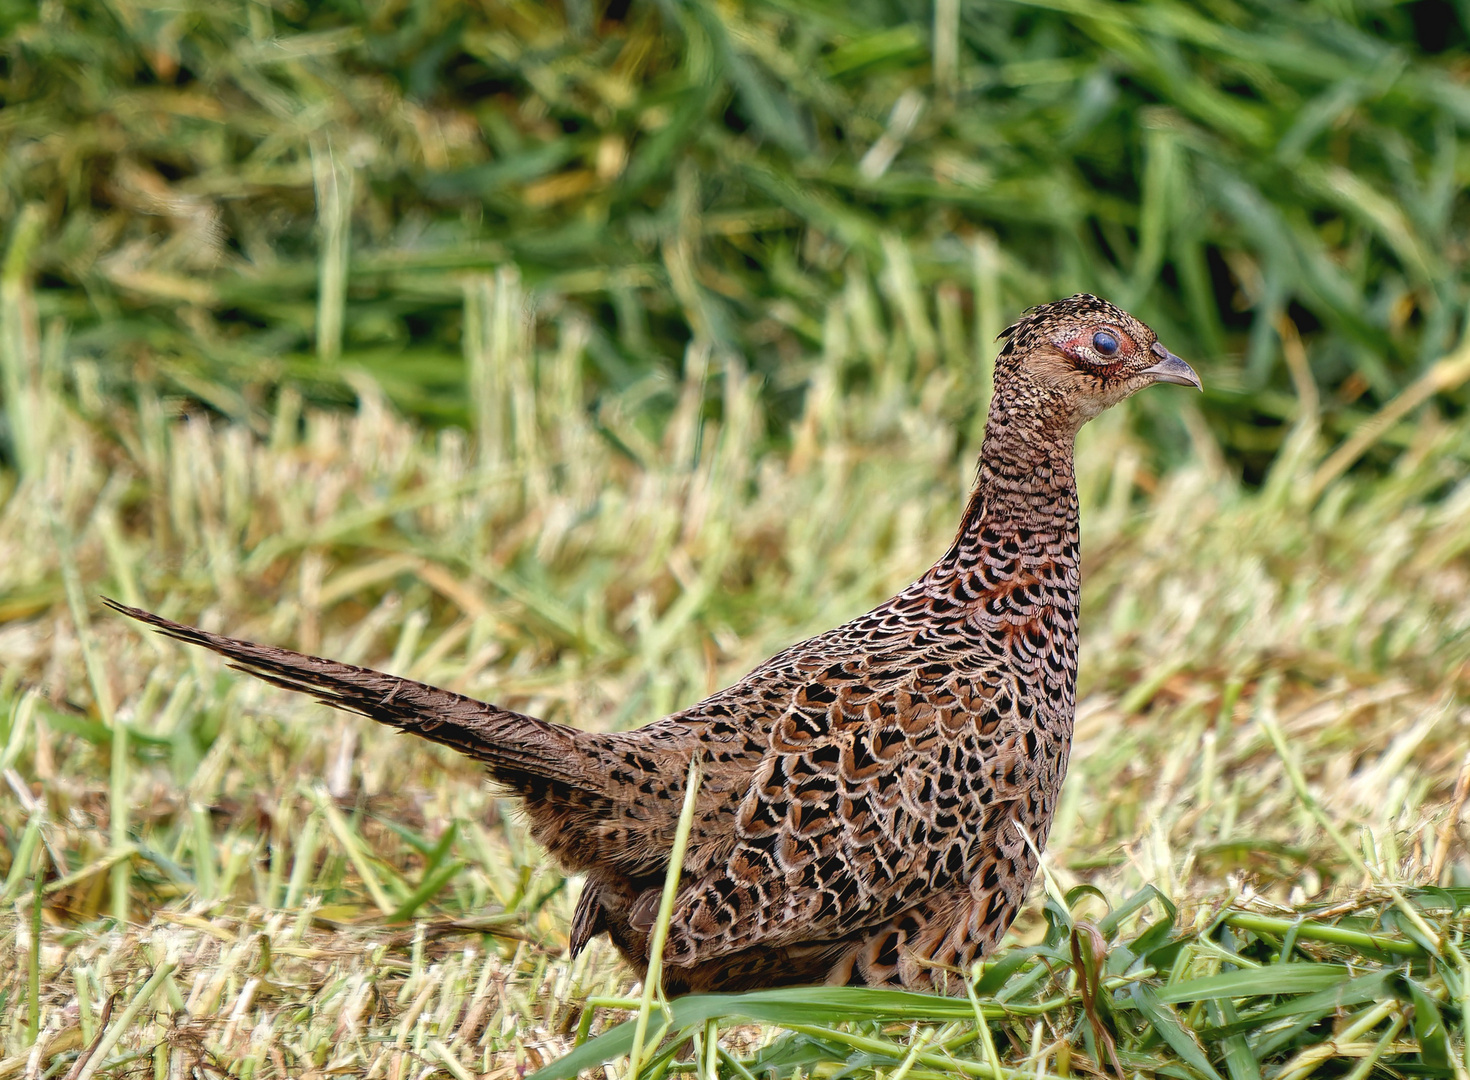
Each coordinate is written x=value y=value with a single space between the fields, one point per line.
x=1171 y=369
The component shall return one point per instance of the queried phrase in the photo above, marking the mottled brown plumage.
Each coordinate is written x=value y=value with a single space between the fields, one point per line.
x=874 y=797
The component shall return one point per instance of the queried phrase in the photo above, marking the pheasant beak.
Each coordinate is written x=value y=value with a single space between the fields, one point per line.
x=1171 y=369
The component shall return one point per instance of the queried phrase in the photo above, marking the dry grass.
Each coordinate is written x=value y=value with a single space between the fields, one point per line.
x=1273 y=717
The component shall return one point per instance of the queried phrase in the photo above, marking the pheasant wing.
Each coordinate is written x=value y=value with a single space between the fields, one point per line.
x=879 y=788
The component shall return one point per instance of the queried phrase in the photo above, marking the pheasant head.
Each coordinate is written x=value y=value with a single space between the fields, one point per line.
x=1071 y=359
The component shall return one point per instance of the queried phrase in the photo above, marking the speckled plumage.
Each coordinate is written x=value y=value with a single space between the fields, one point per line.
x=874 y=797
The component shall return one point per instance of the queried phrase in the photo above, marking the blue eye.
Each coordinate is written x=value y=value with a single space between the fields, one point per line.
x=1105 y=343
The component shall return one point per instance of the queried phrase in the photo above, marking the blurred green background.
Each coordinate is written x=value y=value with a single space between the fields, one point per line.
x=214 y=199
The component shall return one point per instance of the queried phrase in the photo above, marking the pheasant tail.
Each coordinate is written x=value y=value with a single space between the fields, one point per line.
x=520 y=751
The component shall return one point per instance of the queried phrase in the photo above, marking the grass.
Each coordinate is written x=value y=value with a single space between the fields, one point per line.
x=579 y=361
x=1257 y=867
x=229 y=197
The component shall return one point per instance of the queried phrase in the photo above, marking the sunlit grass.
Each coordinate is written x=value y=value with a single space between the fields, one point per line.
x=308 y=891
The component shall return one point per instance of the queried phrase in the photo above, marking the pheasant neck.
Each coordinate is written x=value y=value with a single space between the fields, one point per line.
x=1025 y=493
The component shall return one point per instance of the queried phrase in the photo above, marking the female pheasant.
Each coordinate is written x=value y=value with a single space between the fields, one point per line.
x=875 y=797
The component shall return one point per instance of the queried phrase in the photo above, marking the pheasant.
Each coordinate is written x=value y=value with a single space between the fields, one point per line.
x=875 y=799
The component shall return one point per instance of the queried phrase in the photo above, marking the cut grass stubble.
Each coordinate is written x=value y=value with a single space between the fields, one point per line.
x=1229 y=713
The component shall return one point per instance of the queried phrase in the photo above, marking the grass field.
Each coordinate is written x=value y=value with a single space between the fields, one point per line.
x=578 y=357
x=1271 y=726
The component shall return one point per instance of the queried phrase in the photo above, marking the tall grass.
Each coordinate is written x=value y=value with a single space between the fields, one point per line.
x=225 y=198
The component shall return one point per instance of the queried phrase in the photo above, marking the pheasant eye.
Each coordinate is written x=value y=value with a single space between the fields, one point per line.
x=1105 y=343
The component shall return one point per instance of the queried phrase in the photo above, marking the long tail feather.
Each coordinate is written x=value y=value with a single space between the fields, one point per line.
x=517 y=748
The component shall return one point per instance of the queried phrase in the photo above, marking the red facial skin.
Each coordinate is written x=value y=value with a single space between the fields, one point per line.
x=1079 y=347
